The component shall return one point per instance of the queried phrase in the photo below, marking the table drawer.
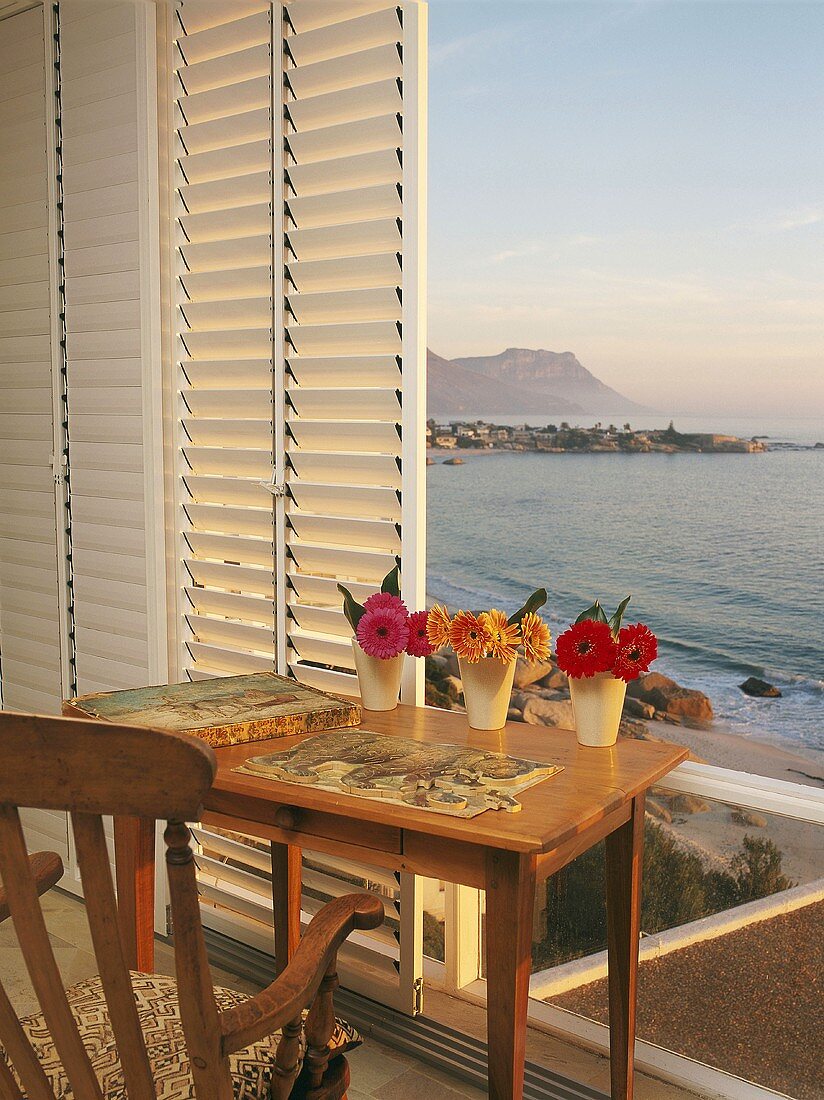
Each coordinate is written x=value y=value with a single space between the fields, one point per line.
x=299 y=825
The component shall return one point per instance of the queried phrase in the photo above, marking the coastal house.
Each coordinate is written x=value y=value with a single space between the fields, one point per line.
x=212 y=412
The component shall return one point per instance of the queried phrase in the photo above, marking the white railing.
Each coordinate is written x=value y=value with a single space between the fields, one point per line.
x=460 y=973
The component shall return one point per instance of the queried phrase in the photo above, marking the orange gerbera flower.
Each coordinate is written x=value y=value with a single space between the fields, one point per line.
x=503 y=638
x=437 y=626
x=468 y=637
x=535 y=636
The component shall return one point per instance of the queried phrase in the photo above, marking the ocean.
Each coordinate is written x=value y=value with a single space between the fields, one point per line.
x=723 y=556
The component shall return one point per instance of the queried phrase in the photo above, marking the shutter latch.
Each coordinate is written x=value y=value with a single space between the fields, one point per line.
x=275 y=487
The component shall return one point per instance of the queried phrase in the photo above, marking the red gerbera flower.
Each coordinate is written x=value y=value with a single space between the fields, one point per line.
x=585 y=649
x=383 y=633
x=418 y=644
x=637 y=649
x=384 y=599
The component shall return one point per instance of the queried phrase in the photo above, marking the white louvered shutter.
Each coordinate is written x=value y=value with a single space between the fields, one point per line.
x=104 y=348
x=300 y=345
x=30 y=605
x=225 y=264
x=352 y=216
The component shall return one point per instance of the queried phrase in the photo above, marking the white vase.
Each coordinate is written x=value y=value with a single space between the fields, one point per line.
x=487 y=689
x=379 y=681
x=597 y=703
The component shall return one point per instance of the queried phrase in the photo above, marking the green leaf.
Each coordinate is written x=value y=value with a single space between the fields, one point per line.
x=536 y=600
x=595 y=612
x=391 y=582
x=353 y=610
x=615 y=621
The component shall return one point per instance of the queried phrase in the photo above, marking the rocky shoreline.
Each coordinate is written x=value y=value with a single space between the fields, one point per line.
x=540 y=697
x=658 y=708
x=564 y=439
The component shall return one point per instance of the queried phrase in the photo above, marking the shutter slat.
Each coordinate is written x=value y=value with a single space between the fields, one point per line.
x=229 y=131
x=216 y=286
x=225 y=194
x=367 y=502
x=350 y=105
x=228 y=255
x=377 y=304
x=226 y=374
x=349 y=36
x=351 y=404
x=228 y=632
x=359 y=239
x=224 y=661
x=227 y=490
x=224 y=40
x=325 y=679
x=359 y=565
x=348 y=140
x=224 y=519
x=345 y=173
x=229 y=461
x=306 y=15
x=374 y=534
x=246 y=579
x=243 y=550
x=323 y=591
x=360 y=204
x=324 y=648
x=359 y=338
x=230 y=433
x=222 y=71
x=351 y=436
x=341 y=468
x=347 y=273
x=246 y=607
x=232 y=163
x=226 y=225
x=243 y=313
x=232 y=99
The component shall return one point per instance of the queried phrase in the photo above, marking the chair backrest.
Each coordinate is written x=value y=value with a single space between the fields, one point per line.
x=92 y=770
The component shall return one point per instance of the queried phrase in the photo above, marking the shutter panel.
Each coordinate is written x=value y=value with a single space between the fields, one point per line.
x=224 y=179
x=30 y=659
x=299 y=214
x=104 y=343
x=352 y=169
x=31 y=668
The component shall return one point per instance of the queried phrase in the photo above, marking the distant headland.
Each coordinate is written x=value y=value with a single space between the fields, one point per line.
x=562 y=438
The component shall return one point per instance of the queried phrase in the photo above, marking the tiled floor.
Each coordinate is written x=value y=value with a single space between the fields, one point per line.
x=378 y=1071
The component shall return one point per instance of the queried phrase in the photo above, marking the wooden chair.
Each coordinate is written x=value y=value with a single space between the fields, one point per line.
x=147 y=1037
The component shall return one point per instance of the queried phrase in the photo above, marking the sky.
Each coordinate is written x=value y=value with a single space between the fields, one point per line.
x=639 y=183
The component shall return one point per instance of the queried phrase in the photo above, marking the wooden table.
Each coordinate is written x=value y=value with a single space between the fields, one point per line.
x=600 y=794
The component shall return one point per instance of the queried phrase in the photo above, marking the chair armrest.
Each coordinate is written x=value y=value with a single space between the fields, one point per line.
x=47 y=869
x=285 y=998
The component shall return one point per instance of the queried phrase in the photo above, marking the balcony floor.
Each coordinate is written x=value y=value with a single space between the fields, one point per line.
x=378 y=1071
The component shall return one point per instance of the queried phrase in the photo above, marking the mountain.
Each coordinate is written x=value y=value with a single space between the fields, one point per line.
x=520 y=381
x=454 y=390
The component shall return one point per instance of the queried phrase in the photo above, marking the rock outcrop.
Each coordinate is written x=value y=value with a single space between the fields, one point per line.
x=760 y=689
x=666 y=695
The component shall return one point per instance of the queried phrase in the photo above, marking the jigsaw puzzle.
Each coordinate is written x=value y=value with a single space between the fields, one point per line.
x=445 y=779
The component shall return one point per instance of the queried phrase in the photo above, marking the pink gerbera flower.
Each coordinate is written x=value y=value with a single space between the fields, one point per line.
x=418 y=645
x=383 y=632
x=384 y=599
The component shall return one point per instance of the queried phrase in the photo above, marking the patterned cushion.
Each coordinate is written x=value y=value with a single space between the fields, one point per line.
x=159 y=1014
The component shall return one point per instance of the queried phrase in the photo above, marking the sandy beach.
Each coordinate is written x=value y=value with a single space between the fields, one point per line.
x=725 y=749
x=715 y=831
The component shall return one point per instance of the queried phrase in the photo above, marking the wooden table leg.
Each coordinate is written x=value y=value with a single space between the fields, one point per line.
x=510 y=895
x=624 y=864
x=134 y=848
x=286 y=889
